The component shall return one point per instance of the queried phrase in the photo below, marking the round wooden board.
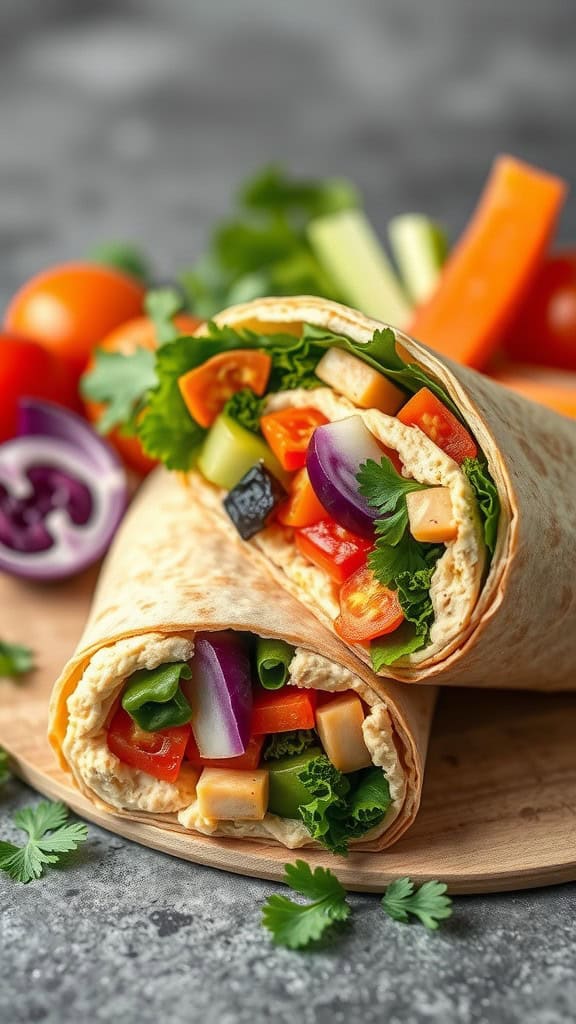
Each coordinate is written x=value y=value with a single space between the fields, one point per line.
x=499 y=804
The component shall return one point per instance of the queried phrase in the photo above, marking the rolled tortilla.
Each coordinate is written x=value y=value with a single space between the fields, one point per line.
x=508 y=627
x=169 y=575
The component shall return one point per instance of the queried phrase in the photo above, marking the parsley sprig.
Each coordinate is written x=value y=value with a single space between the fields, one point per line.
x=428 y=903
x=296 y=925
x=50 y=836
x=15 y=660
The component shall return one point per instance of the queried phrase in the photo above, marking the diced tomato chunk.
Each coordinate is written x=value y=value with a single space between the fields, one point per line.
x=428 y=413
x=157 y=753
x=333 y=548
x=288 y=433
x=367 y=609
x=302 y=508
x=206 y=389
x=282 y=710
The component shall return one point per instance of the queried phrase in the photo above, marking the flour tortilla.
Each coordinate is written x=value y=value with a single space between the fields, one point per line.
x=516 y=624
x=169 y=574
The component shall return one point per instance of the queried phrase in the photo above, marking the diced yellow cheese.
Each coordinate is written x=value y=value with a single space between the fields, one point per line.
x=430 y=515
x=230 y=794
x=339 y=726
x=362 y=384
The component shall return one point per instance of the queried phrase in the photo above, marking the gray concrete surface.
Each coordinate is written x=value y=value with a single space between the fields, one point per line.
x=136 y=120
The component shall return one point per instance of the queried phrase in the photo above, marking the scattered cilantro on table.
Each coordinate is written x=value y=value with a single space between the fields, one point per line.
x=296 y=925
x=428 y=903
x=15 y=660
x=50 y=836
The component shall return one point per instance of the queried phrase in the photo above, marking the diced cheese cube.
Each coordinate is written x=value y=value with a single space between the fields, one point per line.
x=430 y=515
x=361 y=383
x=339 y=726
x=228 y=794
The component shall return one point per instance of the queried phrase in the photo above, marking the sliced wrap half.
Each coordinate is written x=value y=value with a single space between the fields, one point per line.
x=501 y=589
x=172 y=585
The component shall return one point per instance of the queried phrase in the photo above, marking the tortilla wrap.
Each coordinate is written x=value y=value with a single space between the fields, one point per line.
x=509 y=627
x=170 y=574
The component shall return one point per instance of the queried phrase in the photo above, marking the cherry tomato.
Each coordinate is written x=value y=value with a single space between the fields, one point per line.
x=288 y=433
x=71 y=307
x=545 y=329
x=248 y=761
x=28 y=370
x=206 y=389
x=367 y=609
x=137 y=333
x=333 y=548
x=302 y=508
x=282 y=710
x=428 y=413
x=157 y=753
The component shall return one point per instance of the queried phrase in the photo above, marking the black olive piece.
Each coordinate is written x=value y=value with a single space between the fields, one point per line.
x=251 y=502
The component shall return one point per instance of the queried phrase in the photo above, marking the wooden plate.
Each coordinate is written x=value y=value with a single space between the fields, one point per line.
x=499 y=805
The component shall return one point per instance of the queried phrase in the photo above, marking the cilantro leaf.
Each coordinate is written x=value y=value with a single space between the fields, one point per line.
x=296 y=925
x=15 y=660
x=385 y=490
x=122 y=256
x=428 y=903
x=162 y=305
x=484 y=488
x=121 y=383
x=166 y=429
x=339 y=811
x=288 y=744
x=49 y=837
x=246 y=409
x=4 y=766
x=272 y=191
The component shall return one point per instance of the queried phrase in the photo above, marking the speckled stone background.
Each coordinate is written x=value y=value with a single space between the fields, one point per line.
x=136 y=120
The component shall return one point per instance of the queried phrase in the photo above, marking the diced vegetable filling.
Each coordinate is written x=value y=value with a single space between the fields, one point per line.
x=252 y=744
x=345 y=498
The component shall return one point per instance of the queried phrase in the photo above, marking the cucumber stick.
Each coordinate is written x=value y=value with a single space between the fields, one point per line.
x=420 y=248
x=230 y=450
x=347 y=247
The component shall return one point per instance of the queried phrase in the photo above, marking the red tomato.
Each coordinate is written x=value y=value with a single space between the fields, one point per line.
x=545 y=330
x=282 y=710
x=157 y=753
x=428 y=413
x=248 y=761
x=367 y=609
x=28 y=370
x=333 y=548
x=288 y=433
x=206 y=389
x=71 y=307
x=137 y=333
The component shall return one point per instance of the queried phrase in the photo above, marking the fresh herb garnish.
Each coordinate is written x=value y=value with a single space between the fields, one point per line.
x=162 y=305
x=246 y=409
x=49 y=837
x=4 y=767
x=121 y=384
x=428 y=903
x=484 y=488
x=385 y=490
x=296 y=925
x=15 y=660
x=288 y=744
x=339 y=811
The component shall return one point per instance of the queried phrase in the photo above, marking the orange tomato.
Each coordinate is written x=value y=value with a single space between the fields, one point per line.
x=69 y=309
x=137 y=333
x=367 y=609
x=428 y=413
x=288 y=433
x=302 y=508
x=206 y=389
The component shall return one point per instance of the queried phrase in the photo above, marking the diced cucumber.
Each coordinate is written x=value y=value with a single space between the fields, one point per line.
x=420 y=248
x=230 y=450
x=286 y=790
x=348 y=248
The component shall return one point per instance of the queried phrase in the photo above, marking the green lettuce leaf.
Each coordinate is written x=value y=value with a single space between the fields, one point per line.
x=339 y=811
x=246 y=409
x=487 y=497
x=288 y=744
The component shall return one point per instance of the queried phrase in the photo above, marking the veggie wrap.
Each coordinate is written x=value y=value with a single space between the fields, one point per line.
x=203 y=697
x=419 y=510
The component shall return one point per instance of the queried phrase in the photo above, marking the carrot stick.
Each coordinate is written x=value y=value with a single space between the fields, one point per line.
x=492 y=264
x=553 y=388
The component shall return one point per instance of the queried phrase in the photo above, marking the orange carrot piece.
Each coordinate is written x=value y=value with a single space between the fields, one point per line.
x=555 y=389
x=492 y=264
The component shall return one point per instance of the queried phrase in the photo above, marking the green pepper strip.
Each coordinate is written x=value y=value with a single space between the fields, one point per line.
x=153 y=697
x=273 y=659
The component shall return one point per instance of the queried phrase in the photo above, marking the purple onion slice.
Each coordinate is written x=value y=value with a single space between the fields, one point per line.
x=335 y=454
x=62 y=494
x=220 y=694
